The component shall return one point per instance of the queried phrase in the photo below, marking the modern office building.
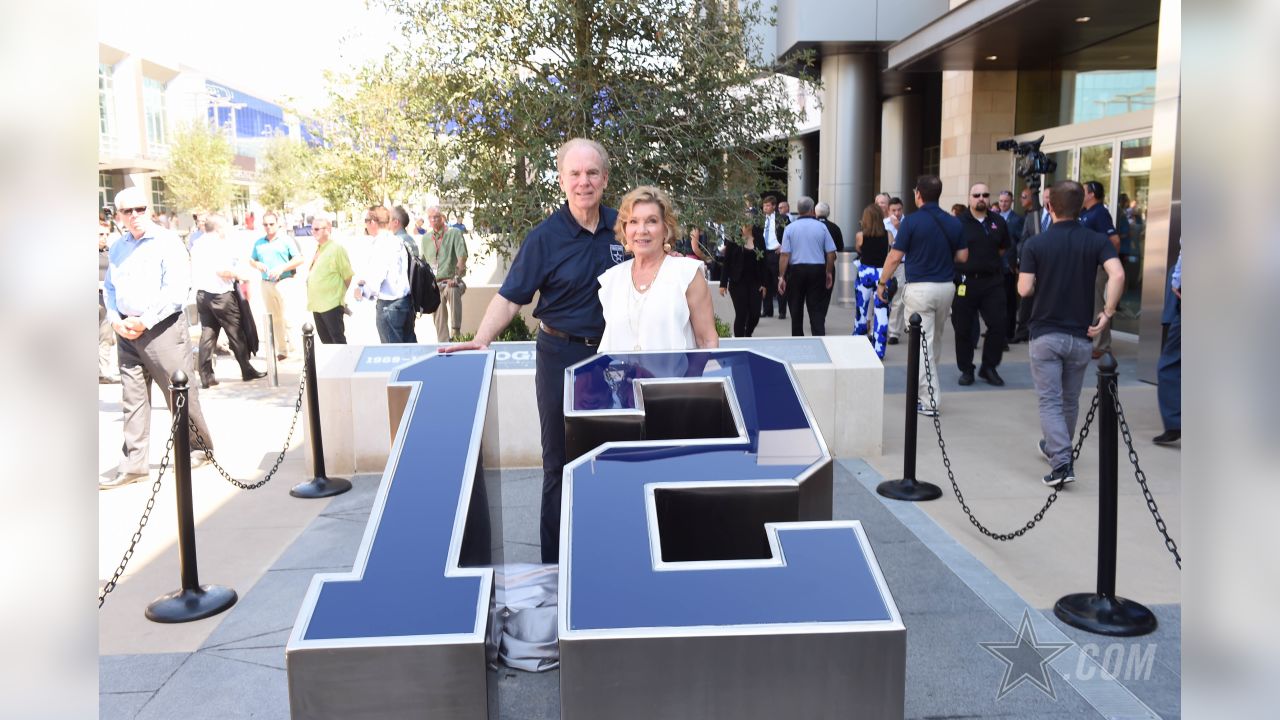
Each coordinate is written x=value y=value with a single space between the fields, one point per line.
x=912 y=86
x=143 y=99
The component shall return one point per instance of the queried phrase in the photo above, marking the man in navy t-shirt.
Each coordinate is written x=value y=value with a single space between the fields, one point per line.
x=929 y=243
x=560 y=260
x=1057 y=273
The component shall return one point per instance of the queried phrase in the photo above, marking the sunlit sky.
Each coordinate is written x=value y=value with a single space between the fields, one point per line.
x=267 y=48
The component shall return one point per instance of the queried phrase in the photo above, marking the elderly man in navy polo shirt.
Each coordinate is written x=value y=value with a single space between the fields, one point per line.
x=930 y=244
x=560 y=260
x=806 y=268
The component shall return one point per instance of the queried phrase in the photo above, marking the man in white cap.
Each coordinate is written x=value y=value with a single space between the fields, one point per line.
x=145 y=291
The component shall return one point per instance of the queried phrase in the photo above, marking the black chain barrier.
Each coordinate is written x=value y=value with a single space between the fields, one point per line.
x=146 y=513
x=946 y=461
x=180 y=401
x=208 y=454
x=1141 y=477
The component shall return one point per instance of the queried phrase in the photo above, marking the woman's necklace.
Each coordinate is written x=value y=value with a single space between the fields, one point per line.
x=644 y=286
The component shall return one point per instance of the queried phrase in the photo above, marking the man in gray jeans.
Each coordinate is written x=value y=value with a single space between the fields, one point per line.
x=1058 y=272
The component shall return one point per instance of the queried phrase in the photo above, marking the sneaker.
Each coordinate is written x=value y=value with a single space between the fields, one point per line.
x=198 y=458
x=1168 y=437
x=1044 y=451
x=926 y=411
x=1060 y=477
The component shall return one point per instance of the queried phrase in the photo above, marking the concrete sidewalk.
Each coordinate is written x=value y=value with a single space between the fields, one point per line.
x=954 y=587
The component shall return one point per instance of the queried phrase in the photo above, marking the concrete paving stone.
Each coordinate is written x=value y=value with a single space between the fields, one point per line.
x=950 y=675
x=137 y=673
x=217 y=688
x=329 y=543
x=852 y=501
x=1157 y=682
x=528 y=696
x=122 y=706
x=270 y=606
x=271 y=657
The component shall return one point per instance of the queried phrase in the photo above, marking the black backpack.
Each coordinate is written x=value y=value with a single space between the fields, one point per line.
x=422 y=282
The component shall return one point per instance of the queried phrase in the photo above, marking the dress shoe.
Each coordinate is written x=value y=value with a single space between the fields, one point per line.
x=1019 y=338
x=282 y=356
x=991 y=376
x=966 y=378
x=893 y=340
x=121 y=479
x=254 y=375
x=1168 y=437
x=206 y=383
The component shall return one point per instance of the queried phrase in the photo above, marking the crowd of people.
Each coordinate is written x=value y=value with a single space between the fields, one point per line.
x=629 y=280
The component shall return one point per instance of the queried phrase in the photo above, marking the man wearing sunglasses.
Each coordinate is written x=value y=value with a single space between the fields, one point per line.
x=145 y=291
x=980 y=290
x=277 y=258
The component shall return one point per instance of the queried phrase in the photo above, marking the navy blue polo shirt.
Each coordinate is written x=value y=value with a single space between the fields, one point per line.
x=930 y=238
x=561 y=261
x=1098 y=219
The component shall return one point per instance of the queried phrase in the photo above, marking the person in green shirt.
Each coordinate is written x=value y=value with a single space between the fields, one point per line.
x=445 y=250
x=327 y=281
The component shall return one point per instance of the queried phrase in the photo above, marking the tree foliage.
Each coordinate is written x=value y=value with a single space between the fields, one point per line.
x=369 y=146
x=287 y=173
x=483 y=92
x=199 y=174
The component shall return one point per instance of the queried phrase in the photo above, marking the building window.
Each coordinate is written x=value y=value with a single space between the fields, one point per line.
x=1108 y=93
x=153 y=106
x=106 y=189
x=239 y=201
x=932 y=161
x=106 y=110
x=158 y=204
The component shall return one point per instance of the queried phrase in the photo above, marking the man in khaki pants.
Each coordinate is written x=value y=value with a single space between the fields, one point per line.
x=277 y=258
x=929 y=243
x=445 y=250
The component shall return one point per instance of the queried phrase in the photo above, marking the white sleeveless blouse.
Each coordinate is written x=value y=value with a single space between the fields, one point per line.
x=654 y=320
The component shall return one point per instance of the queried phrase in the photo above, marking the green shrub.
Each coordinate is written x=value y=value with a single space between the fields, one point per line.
x=722 y=328
x=516 y=330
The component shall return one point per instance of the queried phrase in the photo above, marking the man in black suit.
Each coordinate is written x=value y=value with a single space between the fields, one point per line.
x=1009 y=261
x=768 y=235
x=1035 y=221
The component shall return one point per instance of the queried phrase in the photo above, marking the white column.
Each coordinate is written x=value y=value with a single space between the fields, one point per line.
x=797 y=162
x=900 y=150
x=846 y=165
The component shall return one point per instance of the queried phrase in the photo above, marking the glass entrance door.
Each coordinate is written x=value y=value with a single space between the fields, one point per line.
x=1131 y=225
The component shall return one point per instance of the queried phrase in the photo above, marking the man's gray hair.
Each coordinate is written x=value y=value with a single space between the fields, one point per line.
x=401 y=215
x=822 y=210
x=804 y=205
x=215 y=223
x=579 y=142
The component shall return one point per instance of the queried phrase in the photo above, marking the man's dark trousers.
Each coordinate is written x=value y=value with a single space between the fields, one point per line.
x=555 y=355
x=221 y=311
x=807 y=288
x=1169 y=374
x=984 y=294
x=771 y=287
x=331 y=326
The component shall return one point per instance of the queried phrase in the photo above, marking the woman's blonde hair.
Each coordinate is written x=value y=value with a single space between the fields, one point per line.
x=648 y=194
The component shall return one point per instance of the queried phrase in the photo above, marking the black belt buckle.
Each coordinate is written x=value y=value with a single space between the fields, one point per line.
x=590 y=342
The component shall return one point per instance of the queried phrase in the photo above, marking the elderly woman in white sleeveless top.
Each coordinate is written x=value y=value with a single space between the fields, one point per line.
x=654 y=301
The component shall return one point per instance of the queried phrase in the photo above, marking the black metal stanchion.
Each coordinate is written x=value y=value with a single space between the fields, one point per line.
x=908 y=488
x=194 y=601
x=1103 y=612
x=320 y=486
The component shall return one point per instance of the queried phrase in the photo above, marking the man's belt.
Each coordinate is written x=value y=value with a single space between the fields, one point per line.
x=588 y=341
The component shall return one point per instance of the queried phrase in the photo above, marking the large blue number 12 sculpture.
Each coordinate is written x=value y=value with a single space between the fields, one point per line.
x=701 y=575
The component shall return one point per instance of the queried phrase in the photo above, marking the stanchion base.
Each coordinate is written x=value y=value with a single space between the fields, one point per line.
x=1105 y=615
x=907 y=489
x=187 y=605
x=320 y=487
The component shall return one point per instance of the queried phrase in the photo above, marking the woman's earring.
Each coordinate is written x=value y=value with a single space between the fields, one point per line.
x=666 y=247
